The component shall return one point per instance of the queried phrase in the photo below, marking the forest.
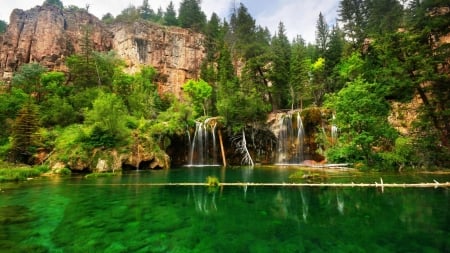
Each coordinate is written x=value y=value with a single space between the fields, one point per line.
x=381 y=55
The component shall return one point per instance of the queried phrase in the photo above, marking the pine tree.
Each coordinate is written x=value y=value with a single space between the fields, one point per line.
x=281 y=57
x=354 y=19
x=25 y=133
x=3 y=26
x=56 y=3
x=146 y=12
x=191 y=16
x=170 y=16
x=299 y=73
x=322 y=35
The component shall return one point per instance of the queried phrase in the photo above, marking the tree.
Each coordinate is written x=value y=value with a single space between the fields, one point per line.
x=280 y=68
x=352 y=14
x=299 y=73
x=10 y=105
x=145 y=12
x=361 y=116
x=383 y=17
x=28 y=78
x=56 y=3
x=322 y=35
x=191 y=16
x=24 y=133
x=108 y=120
x=170 y=16
x=108 y=18
x=317 y=80
x=3 y=26
x=333 y=55
x=199 y=91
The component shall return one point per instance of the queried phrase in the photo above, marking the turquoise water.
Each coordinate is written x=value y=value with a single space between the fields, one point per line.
x=123 y=214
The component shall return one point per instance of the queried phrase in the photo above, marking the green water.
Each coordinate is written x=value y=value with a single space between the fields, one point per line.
x=122 y=214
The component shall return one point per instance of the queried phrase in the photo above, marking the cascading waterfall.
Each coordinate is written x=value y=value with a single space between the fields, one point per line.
x=203 y=146
x=334 y=134
x=290 y=139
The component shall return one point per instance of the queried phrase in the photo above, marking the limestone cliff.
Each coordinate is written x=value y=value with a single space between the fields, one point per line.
x=175 y=52
x=47 y=34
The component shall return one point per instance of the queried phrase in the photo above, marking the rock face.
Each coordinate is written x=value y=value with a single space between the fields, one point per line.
x=175 y=52
x=47 y=34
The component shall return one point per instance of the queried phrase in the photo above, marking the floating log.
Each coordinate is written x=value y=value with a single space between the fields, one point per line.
x=352 y=184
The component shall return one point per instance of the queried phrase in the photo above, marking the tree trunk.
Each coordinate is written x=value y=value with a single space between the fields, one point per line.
x=222 y=150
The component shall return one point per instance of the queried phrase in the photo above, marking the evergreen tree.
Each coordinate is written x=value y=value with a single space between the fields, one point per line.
x=108 y=18
x=56 y=3
x=191 y=16
x=242 y=31
x=281 y=57
x=170 y=16
x=353 y=16
x=299 y=73
x=383 y=16
x=25 y=133
x=322 y=35
x=333 y=55
x=146 y=12
x=28 y=78
x=425 y=55
x=3 y=26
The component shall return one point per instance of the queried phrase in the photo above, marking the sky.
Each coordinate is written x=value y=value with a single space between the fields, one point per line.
x=298 y=16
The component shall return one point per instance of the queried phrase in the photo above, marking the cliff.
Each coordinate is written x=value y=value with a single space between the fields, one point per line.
x=47 y=34
x=175 y=52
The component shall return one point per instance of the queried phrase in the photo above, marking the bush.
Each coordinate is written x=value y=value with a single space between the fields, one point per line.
x=18 y=174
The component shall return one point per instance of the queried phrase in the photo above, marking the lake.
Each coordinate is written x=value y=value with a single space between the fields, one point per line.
x=128 y=213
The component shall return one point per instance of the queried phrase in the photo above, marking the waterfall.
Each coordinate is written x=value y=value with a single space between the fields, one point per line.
x=334 y=131
x=203 y=146
x=290 y=139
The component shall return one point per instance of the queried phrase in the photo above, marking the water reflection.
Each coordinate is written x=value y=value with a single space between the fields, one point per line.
x=124 y=214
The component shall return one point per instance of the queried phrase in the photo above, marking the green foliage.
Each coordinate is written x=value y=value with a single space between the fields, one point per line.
x=401 y=156
x=199 y=92
x=28 y=78
x=322 y=35
x=53 y=83
x=102 y=174
x=24 y=133
x=42 y=168
x=62 y=171
x=172 y=121
x=57 y=111
x=18 y=174
x=361 y=117
x=10 y=104
x=170 y=16
x=108 y=118
x=56 y=3
x=3 y=26
x=299 y=74
x=191 y=16
x=280 y=68
x=82 y=101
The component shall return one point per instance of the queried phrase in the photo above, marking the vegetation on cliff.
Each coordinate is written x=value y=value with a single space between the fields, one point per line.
x=355 y=70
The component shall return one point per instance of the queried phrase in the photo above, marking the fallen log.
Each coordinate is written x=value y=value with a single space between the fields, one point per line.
x=352 y=184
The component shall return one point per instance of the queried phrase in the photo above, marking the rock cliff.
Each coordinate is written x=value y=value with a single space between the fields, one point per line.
x=175 y=52
x=47 y=34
